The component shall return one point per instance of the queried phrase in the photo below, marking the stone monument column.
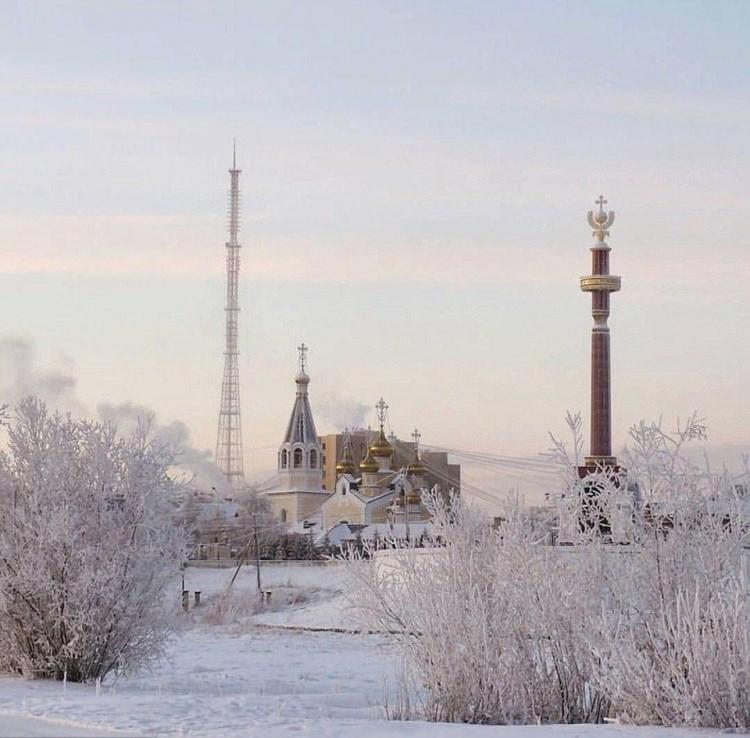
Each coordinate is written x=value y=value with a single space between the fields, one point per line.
x=600 y=283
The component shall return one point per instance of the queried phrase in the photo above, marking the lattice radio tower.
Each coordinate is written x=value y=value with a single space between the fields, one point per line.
x=229 y=438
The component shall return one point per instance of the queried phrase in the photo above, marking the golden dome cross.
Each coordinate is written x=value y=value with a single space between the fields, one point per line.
x=382 y=408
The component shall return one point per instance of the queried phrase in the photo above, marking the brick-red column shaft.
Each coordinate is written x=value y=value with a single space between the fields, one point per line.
x=601 y=414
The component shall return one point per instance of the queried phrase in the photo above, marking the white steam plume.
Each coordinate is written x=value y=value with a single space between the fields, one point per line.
x=341 y=411
x=126 y=416
x=21 y=375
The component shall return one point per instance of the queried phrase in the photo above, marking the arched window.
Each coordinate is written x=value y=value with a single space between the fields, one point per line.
x=283 y=516
x=284 y=459
x=297 y=458
x=313 y=459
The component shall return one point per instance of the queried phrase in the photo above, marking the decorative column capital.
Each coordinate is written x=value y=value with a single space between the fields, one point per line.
x=601 y=220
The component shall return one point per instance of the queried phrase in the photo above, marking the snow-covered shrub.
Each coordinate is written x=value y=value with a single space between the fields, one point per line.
x=673 y=645
x=644 y=616
x=488 y=620
x=87 y=547
x=231 y=607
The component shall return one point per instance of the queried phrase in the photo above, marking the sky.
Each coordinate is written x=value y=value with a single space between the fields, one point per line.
x=415 y=182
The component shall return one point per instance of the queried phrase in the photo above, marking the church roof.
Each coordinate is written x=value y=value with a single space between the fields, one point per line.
x=301 y=427
x=383 y=484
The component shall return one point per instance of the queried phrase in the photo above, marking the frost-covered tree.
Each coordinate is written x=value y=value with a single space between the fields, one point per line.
x=88 y=547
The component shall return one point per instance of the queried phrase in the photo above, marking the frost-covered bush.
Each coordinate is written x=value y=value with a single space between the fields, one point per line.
x=87 y=547
x=644 y=616
x=673 y=644
x=488 y=620
x=231 y=607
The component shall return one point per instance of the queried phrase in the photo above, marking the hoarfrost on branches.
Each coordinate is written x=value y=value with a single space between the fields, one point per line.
x=642 y=617
x=88 y=547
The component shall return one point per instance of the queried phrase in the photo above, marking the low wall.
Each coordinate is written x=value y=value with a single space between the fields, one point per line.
x=277 y=563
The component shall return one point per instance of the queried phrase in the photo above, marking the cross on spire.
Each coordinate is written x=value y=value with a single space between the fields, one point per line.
x=417 y=437
x=302 y=358
x=601 y=202
x=382 y=408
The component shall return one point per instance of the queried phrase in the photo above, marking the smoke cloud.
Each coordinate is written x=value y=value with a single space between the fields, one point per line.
x=126 y=416
x=21 y=375
x=342 y=412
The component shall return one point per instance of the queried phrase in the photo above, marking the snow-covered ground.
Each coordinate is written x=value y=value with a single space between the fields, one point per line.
x=251 y=677
x=225 y=684
x=330 y=577
x=13 y=726
x=317 y=593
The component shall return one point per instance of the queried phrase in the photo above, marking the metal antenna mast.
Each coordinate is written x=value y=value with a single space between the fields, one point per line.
x=229 y=439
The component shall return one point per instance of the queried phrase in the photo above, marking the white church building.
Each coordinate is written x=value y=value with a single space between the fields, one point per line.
x=372 y=493
x=299 y=492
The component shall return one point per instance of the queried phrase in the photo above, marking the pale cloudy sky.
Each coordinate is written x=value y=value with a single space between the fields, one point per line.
x=416 y=178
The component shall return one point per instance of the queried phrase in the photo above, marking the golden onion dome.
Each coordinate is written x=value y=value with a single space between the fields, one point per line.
x=416 y=468
x=381 y=447
x=345 y=466
x=414 y=495
x=346 y=463
x=368 y=465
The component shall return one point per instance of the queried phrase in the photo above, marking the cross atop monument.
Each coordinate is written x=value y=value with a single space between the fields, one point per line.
x=302 y=358
x=417 y=437
x=601 y=202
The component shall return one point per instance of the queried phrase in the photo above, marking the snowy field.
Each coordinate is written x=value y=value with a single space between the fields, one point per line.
x=225 y=684
x=329 y=577
x=303 y=596
x=254 y=677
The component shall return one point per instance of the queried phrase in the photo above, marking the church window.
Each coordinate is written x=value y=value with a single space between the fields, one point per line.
x=297 y=458
x=283 y=516
x=313 y=459
x=284 y=459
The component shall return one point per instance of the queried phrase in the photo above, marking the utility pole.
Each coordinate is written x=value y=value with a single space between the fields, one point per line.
x=257 y=552
x=245 y=553
x=406 y=514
